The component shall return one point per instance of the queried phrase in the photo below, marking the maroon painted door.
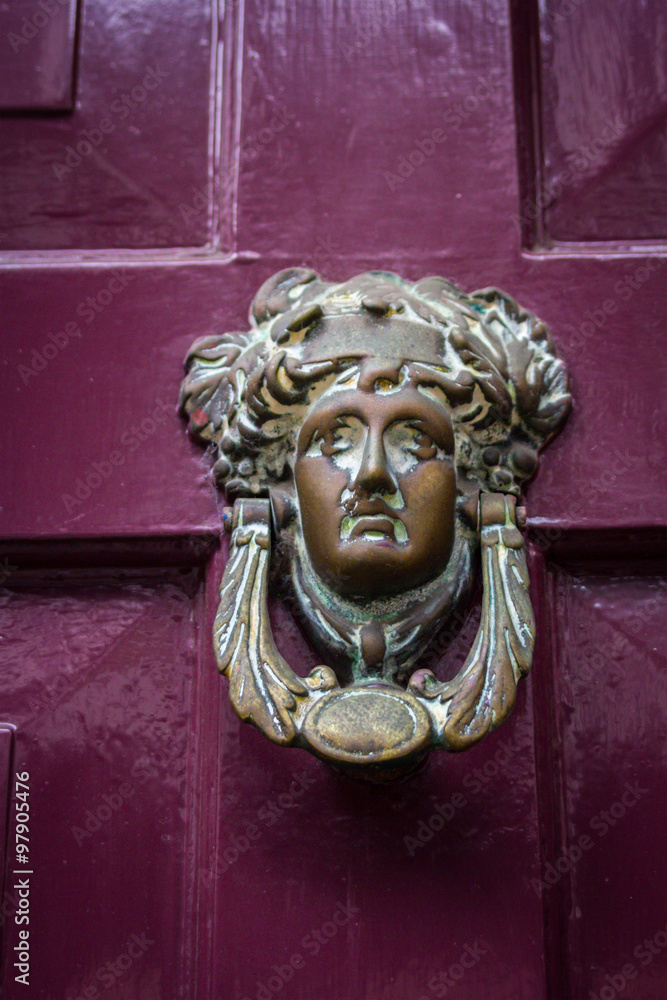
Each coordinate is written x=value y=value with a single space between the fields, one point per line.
x=158 y=163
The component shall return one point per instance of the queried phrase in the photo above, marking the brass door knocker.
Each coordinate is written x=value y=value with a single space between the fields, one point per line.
x=374 y=435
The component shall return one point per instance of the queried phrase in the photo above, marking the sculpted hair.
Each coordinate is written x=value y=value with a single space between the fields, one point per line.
x=245 y=393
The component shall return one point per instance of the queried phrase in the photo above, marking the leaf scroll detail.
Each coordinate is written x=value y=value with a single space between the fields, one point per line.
x=263 y=687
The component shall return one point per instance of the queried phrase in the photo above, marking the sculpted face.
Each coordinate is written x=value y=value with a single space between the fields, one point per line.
x=376 y=484
x=333 y=423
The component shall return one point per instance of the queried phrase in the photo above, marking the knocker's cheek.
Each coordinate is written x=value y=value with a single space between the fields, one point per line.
x=375 y=559
x=429 y=517
x=319 y=486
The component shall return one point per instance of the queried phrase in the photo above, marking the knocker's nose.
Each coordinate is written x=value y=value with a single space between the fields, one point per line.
x=375 y=475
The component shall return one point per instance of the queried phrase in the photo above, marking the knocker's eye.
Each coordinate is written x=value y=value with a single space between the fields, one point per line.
x=336 y=439
x=420 y=444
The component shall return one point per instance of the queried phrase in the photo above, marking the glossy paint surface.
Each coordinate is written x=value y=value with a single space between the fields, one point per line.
x=107 y=801
x=255 y=869
x=38 y=59
x=603 y=121
x=104 y=175
x=610 y=697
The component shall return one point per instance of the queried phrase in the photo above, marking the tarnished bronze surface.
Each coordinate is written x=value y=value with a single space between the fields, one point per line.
x=373 y=436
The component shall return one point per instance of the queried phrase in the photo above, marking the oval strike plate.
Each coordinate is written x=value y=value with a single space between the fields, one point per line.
x=374 y=437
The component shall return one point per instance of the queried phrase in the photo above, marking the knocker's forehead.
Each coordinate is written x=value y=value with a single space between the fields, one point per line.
x=360 y=335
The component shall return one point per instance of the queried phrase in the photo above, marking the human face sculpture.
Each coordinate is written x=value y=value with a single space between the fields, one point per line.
x=376 y=483
x=379 y=534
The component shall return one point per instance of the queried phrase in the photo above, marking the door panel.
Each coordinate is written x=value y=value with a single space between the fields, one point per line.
x=604 y=871
x=397 y=98
x=99 y=672
x=39 y=55
x=113 y=171
x=603 y=121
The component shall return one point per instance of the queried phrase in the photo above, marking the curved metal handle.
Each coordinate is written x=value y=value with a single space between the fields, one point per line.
x=379 y=726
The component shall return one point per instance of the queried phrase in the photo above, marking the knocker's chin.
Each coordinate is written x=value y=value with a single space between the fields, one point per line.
x=380 y=639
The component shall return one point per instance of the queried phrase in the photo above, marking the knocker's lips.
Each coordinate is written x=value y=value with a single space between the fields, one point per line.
x=373 y=518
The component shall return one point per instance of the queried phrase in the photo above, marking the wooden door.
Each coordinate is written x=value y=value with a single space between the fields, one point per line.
x=173 y=158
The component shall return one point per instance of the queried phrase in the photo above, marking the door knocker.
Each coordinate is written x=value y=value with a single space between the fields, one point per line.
x=373 y=436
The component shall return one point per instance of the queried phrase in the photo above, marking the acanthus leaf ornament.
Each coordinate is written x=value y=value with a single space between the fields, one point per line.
x=373 y=435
